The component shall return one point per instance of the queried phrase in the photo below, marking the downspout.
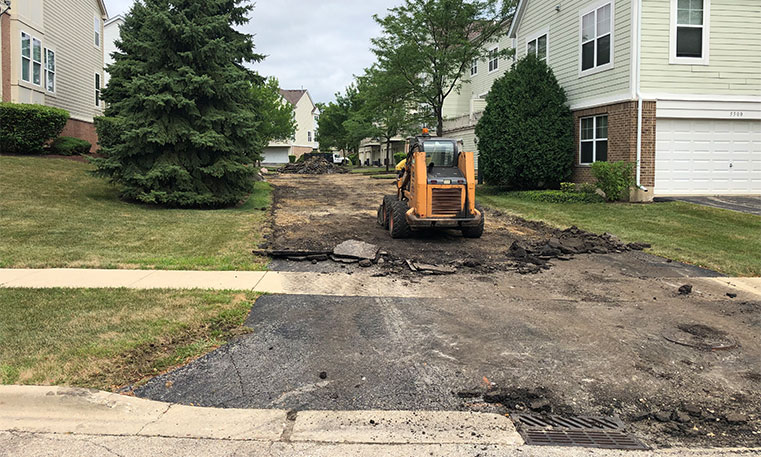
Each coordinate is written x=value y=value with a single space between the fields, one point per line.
x=638 y=61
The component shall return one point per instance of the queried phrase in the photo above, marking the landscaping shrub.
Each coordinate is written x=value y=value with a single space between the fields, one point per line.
x=354 y=158
x=559 y=196
x=291 y=159
x=300 y=159
x=24 y=129
x=568 y=187
x=109 y=132
x=614 y=178
x=586 y=188
x=526 y=138
x=70 y=146
x=399 y=156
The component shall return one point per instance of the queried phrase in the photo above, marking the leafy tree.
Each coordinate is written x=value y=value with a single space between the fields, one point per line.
x=274 y=116
x=331 y=129
x=183 y=98
x=387 y=110
x=525 y=136
x=430 y=44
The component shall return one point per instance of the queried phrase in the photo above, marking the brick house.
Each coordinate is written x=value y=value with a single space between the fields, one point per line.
x=673 y=86
x=51 y=53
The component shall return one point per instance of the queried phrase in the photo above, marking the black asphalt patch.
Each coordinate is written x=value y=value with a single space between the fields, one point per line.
x=743 y=204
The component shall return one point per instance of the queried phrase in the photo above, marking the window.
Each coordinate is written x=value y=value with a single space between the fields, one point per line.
x=96 y=28
x=26 y=57
x=50 y=70
x=538 y=47
x=439 y=153
x=689 y=31
x=597 y=38
x=36 y=61
x=594 y=140
x=97 y=89
x=474 y=67
x=309 y=136
x=493 y=60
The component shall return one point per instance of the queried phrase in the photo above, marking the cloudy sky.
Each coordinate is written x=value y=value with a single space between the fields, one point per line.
x=314 y=44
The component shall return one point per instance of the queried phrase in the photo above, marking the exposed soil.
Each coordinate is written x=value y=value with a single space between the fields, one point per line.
x=313 y=213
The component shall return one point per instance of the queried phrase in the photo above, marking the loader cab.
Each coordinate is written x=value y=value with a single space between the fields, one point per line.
x=441 y=159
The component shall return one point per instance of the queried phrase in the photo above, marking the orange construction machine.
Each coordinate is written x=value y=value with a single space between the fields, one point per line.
x=436 y=188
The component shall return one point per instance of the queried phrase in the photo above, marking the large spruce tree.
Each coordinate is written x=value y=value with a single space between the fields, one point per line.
x=182 y=97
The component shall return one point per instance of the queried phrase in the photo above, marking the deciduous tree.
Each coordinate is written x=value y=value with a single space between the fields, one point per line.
x=431 y=43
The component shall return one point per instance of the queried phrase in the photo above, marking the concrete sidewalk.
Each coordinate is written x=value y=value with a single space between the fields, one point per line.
x=67 y=422
x=336 y=284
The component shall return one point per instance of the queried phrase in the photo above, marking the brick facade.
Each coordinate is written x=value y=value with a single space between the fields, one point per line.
x=82 y=130
x=622 y=138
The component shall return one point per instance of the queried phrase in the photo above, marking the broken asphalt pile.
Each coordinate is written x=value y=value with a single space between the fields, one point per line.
x=532 y=258
x=312 y=166
x=525 y=257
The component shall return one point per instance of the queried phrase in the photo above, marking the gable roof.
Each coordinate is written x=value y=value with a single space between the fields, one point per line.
x=517 y=18
x=293 y=96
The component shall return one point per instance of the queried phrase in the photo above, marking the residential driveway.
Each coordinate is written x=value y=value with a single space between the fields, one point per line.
x=743 y=204
x=592 y=334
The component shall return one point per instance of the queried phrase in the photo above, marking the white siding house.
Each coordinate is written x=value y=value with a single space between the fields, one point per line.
x=671 y=85
x=303 y=141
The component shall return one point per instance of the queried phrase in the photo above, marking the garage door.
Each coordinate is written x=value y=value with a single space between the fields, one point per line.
x=708 y=157
x=275 y=155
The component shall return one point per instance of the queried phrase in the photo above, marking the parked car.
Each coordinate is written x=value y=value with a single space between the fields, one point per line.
x=340 y=160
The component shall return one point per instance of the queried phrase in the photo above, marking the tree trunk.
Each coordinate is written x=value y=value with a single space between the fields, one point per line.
x=439 y=122
x=388 y=152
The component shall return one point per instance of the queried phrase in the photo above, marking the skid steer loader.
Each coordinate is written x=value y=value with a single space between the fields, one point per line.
x=436 y=188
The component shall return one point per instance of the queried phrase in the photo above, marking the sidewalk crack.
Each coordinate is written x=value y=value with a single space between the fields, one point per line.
x=139 y=432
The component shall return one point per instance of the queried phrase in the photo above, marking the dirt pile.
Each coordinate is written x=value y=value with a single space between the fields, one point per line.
x=312 y=166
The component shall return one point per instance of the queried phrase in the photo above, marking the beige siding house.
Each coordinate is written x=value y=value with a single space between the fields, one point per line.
x=303 y=141
x=52 y=54
x=462 y=109
x=673 y=86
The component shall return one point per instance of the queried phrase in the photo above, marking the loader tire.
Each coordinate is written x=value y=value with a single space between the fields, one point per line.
x=385 y=210
x=478 y=230
x=397 y=226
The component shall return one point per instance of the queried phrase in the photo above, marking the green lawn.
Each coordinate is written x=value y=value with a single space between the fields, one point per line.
x=54 y=214
x=721 y=240
x=107 y=338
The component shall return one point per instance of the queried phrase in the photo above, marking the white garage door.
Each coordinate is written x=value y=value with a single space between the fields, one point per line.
x=275 y=155
x=708 y=157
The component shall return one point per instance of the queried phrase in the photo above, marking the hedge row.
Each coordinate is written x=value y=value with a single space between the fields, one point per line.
x=24 y=129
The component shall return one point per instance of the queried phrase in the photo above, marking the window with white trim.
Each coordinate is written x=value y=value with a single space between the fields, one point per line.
x=309 y=136
x=597 y=38
x=689 y=31
x=493 y=60
x=96 y=29
x=36 y=61
x=594 y=140
x=474 y=67
x=50 y=70
x=538 y=47
x=26 y=57
x=97 y=89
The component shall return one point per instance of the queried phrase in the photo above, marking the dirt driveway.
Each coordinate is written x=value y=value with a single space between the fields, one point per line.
x=594 y=334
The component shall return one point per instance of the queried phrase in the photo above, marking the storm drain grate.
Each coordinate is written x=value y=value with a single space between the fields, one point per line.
x=595 y=432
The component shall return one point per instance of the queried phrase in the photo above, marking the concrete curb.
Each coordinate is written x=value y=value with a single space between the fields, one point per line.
x=71 y=422
x=81 y=411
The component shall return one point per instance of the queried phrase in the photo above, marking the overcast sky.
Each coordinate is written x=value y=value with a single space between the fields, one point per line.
x=314 y=44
